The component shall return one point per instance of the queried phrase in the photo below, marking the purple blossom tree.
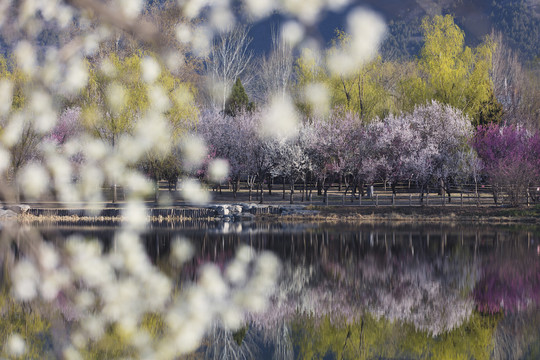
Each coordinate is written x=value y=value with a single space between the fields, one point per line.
x=511 y=159
x=67 y=127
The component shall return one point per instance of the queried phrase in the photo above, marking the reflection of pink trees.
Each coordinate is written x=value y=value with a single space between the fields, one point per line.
x=508 y=285
x=405 y=289
x=300 y=292
x=431 y=295
x=419 y=298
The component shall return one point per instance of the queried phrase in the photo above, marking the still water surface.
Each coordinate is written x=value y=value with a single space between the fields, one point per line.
x=371 y=291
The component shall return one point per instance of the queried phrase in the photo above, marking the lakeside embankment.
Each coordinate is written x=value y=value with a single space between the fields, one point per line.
x=288 y=213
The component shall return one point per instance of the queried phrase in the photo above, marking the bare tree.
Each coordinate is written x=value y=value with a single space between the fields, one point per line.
x=277 y=69
x=516 y=86
x=229 y=59
x=507 y=75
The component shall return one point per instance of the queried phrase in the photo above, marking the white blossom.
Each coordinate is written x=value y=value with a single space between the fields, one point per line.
x=181 y=250
x=193 y=151
x=193 y=192
x=159 y=101
x=34 y=180
x=260 y=8
x=183 y=33
x=116 y=97
x=292 y=32
x=130 y=8
x=6 y=89
x=218 y=170
x=13 y=130
x=4 y=159
x=76 y=77
x=26 y=57
x=15 y=345
x=150 y=69
x=318 y=97
x=25 y=277
x=135 y=215
x=280 y=120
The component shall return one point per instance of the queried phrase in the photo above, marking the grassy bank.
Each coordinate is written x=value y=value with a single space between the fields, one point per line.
x=344 y=214
x=496 y=215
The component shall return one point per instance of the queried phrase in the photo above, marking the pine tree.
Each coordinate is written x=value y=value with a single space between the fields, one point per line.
x=491 y=111
x=238 y=100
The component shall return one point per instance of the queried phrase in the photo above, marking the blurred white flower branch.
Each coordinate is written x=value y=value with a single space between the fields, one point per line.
x=103 y=92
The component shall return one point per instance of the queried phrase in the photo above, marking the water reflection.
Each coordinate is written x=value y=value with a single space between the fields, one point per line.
x=370 y=291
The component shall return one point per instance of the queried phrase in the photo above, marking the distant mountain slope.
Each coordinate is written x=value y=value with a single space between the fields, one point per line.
x=517 y=20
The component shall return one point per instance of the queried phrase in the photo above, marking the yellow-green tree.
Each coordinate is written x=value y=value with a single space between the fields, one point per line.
x=117 y=96
x=309 y=70
x=370 y=91
x=451 y=72
x=122 y=91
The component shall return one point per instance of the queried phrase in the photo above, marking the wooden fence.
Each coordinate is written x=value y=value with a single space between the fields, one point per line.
x=406 y=195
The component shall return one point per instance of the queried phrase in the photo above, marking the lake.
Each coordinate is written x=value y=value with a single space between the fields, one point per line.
x=369 y=291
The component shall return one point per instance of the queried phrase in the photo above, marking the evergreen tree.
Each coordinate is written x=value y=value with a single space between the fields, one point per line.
x=491 y=111
x=238 y=100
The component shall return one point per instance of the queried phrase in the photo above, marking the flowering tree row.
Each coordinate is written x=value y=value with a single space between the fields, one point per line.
x=435 y=144
x=430 y=144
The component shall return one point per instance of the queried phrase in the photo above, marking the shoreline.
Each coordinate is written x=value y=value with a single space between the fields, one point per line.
x=301 y=213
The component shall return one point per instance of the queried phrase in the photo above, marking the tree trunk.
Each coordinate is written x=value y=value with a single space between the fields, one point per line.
x=236 y=186
x=325 y=195
x=441 y=187
x=304 y=190
x=114 y=197
x=448 y=192
x=291 y=199
x=262 y=193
